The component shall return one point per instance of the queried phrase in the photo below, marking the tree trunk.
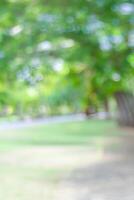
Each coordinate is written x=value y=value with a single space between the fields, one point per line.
x=106 y=105
x=107 y=108
x=125 y=103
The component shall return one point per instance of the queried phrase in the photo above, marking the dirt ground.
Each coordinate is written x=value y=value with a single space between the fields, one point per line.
x=111 y=177
x=70 y=172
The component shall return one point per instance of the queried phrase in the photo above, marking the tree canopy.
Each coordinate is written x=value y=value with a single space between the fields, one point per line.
x=70 y=54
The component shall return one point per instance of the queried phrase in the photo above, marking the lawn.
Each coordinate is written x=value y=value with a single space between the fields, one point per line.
x=34 y=159
x=71 y=133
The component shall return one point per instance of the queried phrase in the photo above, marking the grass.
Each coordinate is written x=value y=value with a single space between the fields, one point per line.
x=33 y=159
x=73 y=133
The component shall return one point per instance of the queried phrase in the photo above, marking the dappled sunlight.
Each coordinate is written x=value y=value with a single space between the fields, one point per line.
x=59 y=171
x=66 y=100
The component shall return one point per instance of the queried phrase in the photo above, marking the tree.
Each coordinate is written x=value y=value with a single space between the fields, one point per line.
x=91 y=42
x=104 y=39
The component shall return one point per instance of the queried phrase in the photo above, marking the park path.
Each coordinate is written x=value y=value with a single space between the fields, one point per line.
x=41 y=121
x=7 y=124
x=111 y=178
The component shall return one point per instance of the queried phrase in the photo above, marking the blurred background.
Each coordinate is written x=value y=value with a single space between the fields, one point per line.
x=66 y=99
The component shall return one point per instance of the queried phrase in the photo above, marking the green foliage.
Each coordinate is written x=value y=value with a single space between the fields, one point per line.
x=71 y=53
